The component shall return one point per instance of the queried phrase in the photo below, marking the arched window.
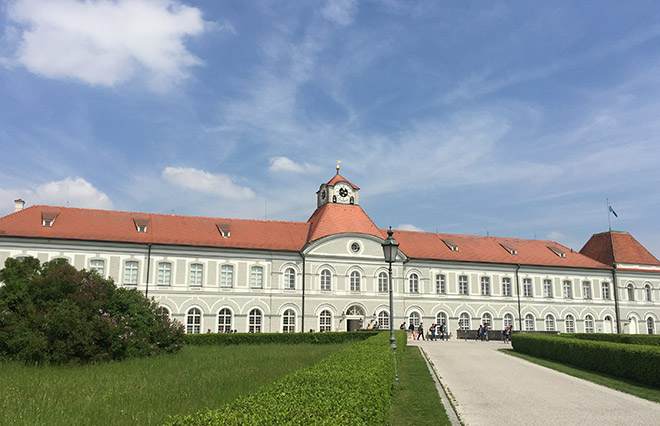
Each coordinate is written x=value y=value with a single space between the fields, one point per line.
x=485 y=286
x=650 y=326
x=549 y=323
x=464 y=321
x=588 y=324
x=196 y=274
x=325 y=321
x=529 y=322
x=226 y=276
x=441 y=284
x=442 y=318
x=254 y=321
x=194 y=321
x=383 y=319
x=256 y=277
x=487 y=319
x=224 y=321
x=289 y=321
x=382 y=283
x=569 y=323
x=631 y=292
x=355 y=311
x=355 y=281
x=647 y=292
x=326 y=280
x=508 y=320
x=414 y=319
x=414 y=283
x=289 y=279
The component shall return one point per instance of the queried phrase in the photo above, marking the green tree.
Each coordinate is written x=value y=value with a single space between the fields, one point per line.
x=53 y=313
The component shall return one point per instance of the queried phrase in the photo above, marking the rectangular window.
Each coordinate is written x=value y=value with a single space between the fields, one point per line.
x=441 y=284
x=196 y=274
x=506 y=286
x=164 y=273
x=485 y=286
x=130 y=272
x=586 y=290
x=463 y=284
x=568 y=292
x=226 y=276
x=527 y=287
x=547 y=288
x=606 y=291
x=98 y=266
x=257 y=277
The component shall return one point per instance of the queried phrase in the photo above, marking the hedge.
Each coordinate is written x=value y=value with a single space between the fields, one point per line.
x=635 y=339
x=638 y=363
x=283 y=338
x=350 y=387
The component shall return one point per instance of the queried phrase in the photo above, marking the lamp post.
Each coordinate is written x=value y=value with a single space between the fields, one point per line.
x=390 y=248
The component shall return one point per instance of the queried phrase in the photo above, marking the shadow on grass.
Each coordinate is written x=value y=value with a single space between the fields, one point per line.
x=416 y=402
x=621 y=385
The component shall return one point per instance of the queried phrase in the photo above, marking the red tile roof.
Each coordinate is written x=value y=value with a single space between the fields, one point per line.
x=104 y=225
x=338 y=178
x=332 y=219
x=422 y=245
x=620 y=247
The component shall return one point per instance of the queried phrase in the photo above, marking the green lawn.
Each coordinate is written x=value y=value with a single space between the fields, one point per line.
x=417 y=401
x=146 y=391
x=621 y=385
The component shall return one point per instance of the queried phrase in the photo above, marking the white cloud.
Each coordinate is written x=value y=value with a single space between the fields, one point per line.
x=72 y=192
x=341 y=12
x=202 y=181
x=409 y=227
x=107 y=42
x=284 y=164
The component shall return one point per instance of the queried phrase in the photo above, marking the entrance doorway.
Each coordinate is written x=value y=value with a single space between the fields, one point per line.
x=352 y=325
x=607 y=324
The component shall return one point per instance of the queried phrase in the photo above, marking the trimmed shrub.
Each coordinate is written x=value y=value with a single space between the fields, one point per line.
x=638 y=363
x=634 y=339
x=54 y=314
x=283 y=338
x=350 y=387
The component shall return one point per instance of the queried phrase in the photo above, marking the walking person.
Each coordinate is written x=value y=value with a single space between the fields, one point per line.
x=479 y=332
x=432 y=330
x=443 y=330
x=411 y=331
x=485 y=332
x=420 y=331
x=507 y=333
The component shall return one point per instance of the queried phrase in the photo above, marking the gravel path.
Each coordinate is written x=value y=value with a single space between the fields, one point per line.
x=488 y=387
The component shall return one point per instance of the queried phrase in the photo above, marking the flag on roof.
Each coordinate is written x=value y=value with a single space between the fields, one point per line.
x=612 y=210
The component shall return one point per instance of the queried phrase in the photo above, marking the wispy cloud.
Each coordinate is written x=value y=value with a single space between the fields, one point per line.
x=409 y=227
x=202 y=181
x=341 y=12
x=107 y=42
x=284 y=164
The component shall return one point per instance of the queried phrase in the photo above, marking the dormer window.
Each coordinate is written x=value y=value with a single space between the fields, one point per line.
x=510 y=249
x=224 y=229
x=141 y=224
x=557 y=251
x=48 y=219
x=452 y=245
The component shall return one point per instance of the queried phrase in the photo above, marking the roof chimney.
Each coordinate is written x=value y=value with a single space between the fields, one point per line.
x=18 y=205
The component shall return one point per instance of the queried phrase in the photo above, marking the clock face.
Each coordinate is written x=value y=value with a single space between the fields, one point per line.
x=343 y=192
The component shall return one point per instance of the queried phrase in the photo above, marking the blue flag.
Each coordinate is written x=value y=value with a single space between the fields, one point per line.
x=612 y=210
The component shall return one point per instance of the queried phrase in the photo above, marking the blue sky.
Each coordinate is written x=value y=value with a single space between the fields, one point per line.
x=514 y=119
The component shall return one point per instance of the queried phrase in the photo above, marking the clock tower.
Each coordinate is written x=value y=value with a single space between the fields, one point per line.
x=337 y=191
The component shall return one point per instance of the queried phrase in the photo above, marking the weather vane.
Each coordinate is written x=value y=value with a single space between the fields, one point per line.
x=338 y=163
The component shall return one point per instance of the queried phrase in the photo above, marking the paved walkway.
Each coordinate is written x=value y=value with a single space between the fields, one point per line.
x=488 y=387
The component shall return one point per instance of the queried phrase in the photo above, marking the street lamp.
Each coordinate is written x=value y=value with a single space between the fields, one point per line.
x=390 y=249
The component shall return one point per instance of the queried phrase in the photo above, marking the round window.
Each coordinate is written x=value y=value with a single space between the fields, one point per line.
x=355 y=247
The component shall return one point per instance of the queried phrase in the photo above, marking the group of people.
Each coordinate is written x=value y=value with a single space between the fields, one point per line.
x=482 y=333
x=418 y=332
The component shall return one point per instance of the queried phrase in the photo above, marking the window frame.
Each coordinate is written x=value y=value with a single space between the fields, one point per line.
x=325 y=279
x=485 y=286
x=605 y=290
x=413 y=283
x=547 y=288
x=196 y=277
x=289 y=321
x=255 y=320
x=586 y=290
x=194 y=326
x=225 y=326
x=256 y=276
x=506 y=287
x=569 y=323
x=383 y=282
x=528 y=291
x=289 y=278
x=355 y=280
x=325 y=321
x=464 y=321
x=567 y=287
x=463 y=285
x=441 y=284
x=550 y=323
x=383 y=319
x=134 y=268
x=648 y=292
x=226 y=275
x=589 y=324
x=530 y=322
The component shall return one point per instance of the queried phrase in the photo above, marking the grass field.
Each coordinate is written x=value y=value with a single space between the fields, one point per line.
x=601 y=379
x=146 y=391
x=417 y=402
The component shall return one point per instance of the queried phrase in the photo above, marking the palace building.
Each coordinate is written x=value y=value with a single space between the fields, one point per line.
x=329 y=273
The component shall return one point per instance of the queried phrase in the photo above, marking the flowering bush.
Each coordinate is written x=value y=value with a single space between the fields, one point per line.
x=53 y=313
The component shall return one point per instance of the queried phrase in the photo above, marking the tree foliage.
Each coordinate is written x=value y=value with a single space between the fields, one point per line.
x=54 y=313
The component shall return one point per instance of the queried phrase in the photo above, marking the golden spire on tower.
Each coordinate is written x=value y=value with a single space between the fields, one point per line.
x=338 y=163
